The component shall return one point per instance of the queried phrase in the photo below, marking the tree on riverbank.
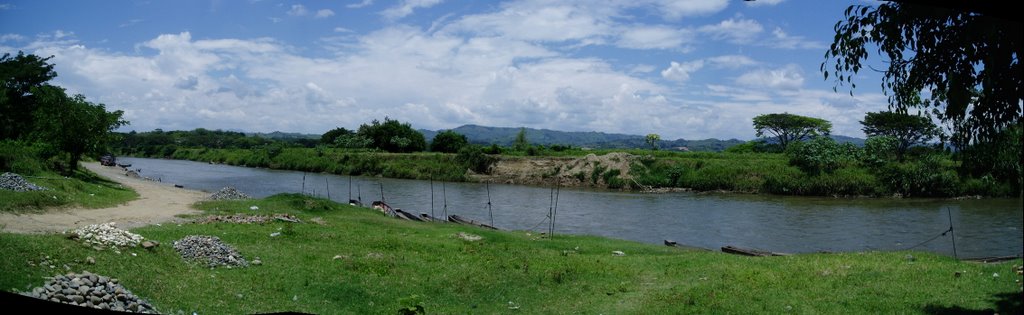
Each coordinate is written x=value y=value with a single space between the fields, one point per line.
x=786 y=128
x=392 y=136
x=448 y=142
x=906 y=129
x=72 y=124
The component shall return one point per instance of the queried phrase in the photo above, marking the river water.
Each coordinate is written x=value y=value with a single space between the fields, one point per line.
x=985 y=227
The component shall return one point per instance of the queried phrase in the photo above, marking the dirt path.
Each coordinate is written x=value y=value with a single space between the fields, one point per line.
x=158 y=202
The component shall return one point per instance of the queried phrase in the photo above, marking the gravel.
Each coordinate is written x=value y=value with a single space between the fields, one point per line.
x=209 y=250
x=91 y=290
x=229 y=193
x=246 y=218
x=106 y=235
x=12 y=181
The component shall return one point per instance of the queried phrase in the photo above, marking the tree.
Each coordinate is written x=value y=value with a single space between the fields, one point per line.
x=448 y=141
x=905 y=128
x=18 y=76
x=652 y=140
x=966 y=54
x=332 y=135
x=520 y=144
x=392 y=136
x=822 y=154
x=72 y=124
x=788 y=127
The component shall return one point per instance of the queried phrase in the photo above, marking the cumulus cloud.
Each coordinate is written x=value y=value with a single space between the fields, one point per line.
x=297 y=10
x=760 y=3
x=731 y=61
x=782 y=40
x=653 y=37
x=788 y=77
x=364 y=3
x=407 y=7
x=734 y=30
x=536 y=22
x=324 y=13
x=681 y=71
x=675 y=9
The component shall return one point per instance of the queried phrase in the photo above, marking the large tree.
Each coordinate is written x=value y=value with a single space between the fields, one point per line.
x=392 y=136
x=448 y=141
x=18 y=75
x=72 y=124
x=965 y=54
x=907 y=129
x=786 y=128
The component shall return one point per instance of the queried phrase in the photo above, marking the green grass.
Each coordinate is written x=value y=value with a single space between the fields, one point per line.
x=387 y=264
x=84 y=189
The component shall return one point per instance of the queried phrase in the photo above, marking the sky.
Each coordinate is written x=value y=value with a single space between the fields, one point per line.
x=690 y=69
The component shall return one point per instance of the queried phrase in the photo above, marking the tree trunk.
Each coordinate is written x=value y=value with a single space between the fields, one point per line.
x=73 y=158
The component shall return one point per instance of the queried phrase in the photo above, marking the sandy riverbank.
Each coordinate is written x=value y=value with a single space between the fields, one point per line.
x=157 y=203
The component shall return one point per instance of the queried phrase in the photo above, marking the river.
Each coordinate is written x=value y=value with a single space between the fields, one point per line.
x=982 y=227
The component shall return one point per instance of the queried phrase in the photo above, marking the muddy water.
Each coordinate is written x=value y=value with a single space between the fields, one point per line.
x=986 y=227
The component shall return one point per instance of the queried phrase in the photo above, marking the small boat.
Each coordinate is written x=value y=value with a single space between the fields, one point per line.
x=460 y=220
x=749 y=251
x=671 y=243
x=124 y=165
x=402 y=214
x=429 y=218
x=384 y=208
x=353 y=202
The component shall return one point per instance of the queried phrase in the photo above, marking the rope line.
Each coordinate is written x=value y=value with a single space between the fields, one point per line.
x=931 y=239
x=539 y=223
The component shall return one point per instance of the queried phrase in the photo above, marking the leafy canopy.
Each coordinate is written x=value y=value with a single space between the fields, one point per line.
x=906 y=129
x=72 y=124
x=18 y=76
x=967 y=55
x=448 y=142
x=392 y=136
x=787 y=128
x=652 y=140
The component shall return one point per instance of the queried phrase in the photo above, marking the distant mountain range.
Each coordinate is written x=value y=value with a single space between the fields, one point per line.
x=504 y=136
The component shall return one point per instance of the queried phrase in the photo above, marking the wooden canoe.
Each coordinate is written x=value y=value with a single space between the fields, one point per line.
x=671 y=243
x=402 y=214
x=749 y=251
x=460 y=220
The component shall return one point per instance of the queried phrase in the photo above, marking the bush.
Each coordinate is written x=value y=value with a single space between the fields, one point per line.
x=448 y=142
x=475 y=159
x=821 y=154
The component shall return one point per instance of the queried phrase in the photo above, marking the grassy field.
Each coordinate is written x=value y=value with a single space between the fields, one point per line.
x=84 y=189
x=359 y=261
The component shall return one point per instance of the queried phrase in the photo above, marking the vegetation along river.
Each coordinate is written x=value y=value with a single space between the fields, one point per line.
x=983 y=227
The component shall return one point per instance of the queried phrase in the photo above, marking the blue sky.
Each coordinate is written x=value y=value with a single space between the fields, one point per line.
x=682 y=69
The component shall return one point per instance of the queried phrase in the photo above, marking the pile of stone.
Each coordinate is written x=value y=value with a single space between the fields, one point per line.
x=12 y=181
x=91 y=290
x=229 y=193
x=132 y=174
x=209 y=250
x=248 y=219
x=106 y=235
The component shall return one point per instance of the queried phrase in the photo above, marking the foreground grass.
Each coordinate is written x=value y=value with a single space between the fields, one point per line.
x=384 y=264
x=83 y=189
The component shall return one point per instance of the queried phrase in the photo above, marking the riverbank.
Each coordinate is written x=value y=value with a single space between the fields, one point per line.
x=156 y=203
x=634 y=170
x=343 y=259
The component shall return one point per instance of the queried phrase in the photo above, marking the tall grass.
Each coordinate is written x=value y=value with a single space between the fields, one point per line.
x=361 y=262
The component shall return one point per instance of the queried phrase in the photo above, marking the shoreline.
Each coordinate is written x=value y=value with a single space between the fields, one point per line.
x=157 y=203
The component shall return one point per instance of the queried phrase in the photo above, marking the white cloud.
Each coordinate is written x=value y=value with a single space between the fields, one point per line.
x=782 y=40
x=788 y=77
x=297 y=10
x=681 y=71
x=11 y=37
x=324 y=13
x=653 y=37
x=759 y=3
x=675 y=9
x=407 y=7
x=537 y=22
x=739 y=31
x=6 y=6
x=364 y=3
x=340 y=29
x=731 y=61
